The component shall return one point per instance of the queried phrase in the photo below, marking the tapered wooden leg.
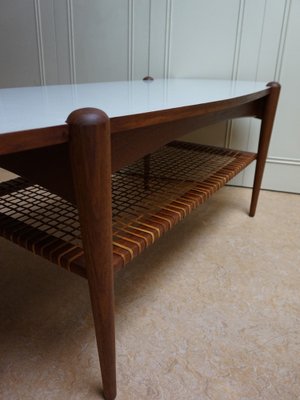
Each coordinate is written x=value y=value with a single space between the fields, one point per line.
x=90 y=156
x=264 y=141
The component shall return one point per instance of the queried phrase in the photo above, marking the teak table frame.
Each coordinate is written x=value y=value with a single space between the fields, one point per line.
x=88 y=150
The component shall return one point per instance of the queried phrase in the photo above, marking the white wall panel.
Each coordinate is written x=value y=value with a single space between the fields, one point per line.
x=62 y=47
x=258 y=53
x=269 y=54
x=272 y=39
x=203 y=42
x=253 y=16
x=281 y=54
x=286 y=138
x=158 y=40
x=203 y=38
x=258 y=21
x=48 y=45
x=100 y=31
x=212 y=135
x=141 y=37
x=19 y=62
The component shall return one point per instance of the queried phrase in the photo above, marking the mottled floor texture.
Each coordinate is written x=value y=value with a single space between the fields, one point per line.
x=212 y=312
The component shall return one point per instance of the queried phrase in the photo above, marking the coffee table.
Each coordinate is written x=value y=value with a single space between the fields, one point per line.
x=95 y=191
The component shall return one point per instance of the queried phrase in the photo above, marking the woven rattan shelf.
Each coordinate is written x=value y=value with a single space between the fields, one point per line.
x=149 y=197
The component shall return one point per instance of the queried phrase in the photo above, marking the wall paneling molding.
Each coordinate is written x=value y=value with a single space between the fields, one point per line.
x=283 y=38
x=284 y=160
x=149 y=37
x=168 y=30
x=235 y=64
x=130 y=39
x=40 y=42
x=71 y=39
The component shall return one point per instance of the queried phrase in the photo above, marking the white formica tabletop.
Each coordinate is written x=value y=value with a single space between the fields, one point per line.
x=44 y=106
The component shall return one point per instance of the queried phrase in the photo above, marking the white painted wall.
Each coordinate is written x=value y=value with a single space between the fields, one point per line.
x=62 y=41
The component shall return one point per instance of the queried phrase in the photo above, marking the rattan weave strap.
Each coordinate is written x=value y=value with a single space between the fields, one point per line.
x=149 y=197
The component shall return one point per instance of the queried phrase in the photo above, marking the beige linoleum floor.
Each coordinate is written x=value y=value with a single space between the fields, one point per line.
x=212 y=312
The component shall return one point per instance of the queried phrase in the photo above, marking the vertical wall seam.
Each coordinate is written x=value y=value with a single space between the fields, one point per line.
x=130 y=39
x=149 y=37
x=282 y=40
x=261 y=40
x=55 y=39
x=40 y=43
x=168 y=38
x=72 y=60
x=238 y=40
x=256 y=70
x=228 y=134
x=235 y=63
